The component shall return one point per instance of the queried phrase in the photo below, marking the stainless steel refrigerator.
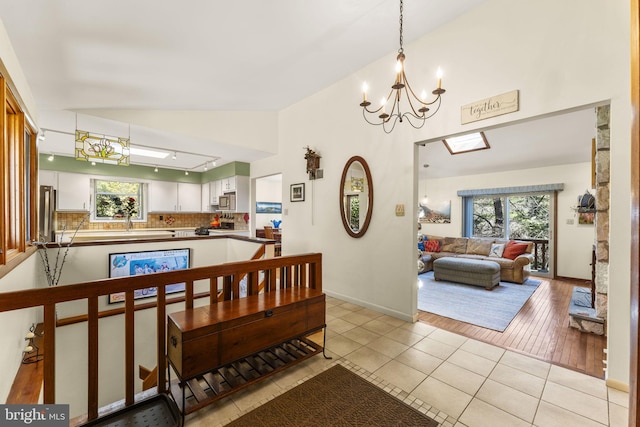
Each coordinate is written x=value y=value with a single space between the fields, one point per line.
x=46 y=226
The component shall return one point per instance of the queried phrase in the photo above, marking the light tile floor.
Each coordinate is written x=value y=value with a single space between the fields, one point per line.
x=456 y=380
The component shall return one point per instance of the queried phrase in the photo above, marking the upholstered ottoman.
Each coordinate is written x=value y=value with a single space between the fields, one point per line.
x=469 y=271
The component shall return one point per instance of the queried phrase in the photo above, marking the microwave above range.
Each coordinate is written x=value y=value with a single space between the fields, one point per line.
x=227 y=202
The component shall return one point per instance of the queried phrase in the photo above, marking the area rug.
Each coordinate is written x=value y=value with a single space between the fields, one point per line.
x=335 y=397
x=493 y=309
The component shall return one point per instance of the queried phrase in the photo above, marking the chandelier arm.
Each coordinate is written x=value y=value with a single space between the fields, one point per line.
x=407 y=85
x=364 y=114
x=396 y=117
x=422 y=120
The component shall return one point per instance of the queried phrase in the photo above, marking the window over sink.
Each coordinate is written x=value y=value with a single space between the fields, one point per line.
x=117 y=200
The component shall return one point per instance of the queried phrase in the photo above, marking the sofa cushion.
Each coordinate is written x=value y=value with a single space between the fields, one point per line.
x=432 y=246
x=513 y=249
x=454 y=244
x=479 y=246
x=496 y=250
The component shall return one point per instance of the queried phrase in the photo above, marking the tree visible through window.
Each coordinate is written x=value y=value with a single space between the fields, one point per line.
x=512 y=217
x=117 y=199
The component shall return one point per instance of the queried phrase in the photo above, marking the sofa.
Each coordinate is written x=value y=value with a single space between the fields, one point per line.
x=513 y=256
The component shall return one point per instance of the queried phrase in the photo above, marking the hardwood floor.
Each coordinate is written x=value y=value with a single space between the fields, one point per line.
x=541 y=330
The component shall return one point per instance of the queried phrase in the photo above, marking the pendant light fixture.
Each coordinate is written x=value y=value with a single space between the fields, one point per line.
x=418 y=111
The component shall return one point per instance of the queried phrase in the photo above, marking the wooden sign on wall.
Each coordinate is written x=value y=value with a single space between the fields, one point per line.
x=490 y=107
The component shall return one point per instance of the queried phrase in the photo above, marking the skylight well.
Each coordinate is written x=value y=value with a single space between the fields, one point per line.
x=466 y=143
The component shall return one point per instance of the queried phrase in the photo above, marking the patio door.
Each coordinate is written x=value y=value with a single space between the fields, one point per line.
x=525 y=216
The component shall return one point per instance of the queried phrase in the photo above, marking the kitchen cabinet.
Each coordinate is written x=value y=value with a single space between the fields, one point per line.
x=243 y=195
x=215 y=191
x=163 y=196
x=167 y=196
x=229 y=184
x=234 y=184
x=73 y=192
x=189 y=197
x=48 y=178
x=205 y=204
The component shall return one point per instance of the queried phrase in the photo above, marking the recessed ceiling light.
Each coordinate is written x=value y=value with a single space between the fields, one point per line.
x=148 y=153
x=466 y=143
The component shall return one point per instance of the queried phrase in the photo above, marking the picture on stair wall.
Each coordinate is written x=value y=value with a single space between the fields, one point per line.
x=435 y=212
x=127 y=264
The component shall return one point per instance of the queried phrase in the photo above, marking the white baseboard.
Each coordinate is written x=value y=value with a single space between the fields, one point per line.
x=380 y=309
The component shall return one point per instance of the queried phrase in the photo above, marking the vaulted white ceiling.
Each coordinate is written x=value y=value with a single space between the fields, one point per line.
x=199 y=55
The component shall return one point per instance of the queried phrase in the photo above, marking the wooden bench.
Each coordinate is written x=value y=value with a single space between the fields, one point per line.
x=221 y=348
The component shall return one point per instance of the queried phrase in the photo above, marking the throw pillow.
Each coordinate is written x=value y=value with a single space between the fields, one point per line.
x=496 y=250
x=479 y=246
x=454 y=244
x=513 y=249
x=421 y=246
x=432 y=246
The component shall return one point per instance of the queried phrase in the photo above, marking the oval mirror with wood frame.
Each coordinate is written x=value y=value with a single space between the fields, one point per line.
x=356 y=197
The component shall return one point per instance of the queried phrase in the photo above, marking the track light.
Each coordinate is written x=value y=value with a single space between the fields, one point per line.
x=156 y=169
x=214 y=163
x=205 y=167
x=174 y=155
x=51 y=157
x=186 y=172
x=42 y=136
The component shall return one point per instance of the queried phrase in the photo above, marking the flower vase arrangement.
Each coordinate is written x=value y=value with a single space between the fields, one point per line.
x=127 y=209
x=276 y=223
x=53 y=271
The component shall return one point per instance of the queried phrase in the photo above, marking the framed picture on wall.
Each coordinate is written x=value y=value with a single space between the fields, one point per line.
x=297 y=192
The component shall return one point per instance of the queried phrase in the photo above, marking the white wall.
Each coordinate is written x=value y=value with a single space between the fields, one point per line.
x=574 y=240
x=556 y=60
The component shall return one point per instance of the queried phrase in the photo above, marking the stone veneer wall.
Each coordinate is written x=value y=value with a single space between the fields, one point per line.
x=602 y=210
x=169 y=220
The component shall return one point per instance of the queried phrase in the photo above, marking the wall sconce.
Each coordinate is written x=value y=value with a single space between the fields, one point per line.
x=31 y=353
x=313 y=163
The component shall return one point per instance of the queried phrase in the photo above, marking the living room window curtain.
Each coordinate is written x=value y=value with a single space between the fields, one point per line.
x=468 y=195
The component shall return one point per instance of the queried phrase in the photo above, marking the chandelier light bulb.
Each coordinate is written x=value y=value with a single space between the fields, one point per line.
x=398 y=66
x=365 y=89
x=439 y=76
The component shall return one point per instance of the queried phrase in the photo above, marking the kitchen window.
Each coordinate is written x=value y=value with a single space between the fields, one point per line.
x=118 y=200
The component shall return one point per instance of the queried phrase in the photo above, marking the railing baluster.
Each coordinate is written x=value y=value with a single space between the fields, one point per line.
x=129 y=347
x=162 y=339
x=92 y=339
x=188 y=293
x=50 y=356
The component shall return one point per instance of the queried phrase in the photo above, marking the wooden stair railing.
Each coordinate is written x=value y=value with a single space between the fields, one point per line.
x=299 y=270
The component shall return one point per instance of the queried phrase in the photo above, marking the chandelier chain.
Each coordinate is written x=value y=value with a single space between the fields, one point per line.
x=401 y=48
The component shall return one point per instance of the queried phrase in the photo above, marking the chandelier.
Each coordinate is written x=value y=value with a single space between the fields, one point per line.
x=418 y=111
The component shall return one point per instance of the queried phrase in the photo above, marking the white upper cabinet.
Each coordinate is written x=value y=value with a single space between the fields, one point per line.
x=189 y=197
x=73 y=192
x=243 y=195
x=215 y=191
x=48 y=178
x=163 y=196
x=229 y=184
x=205 y=204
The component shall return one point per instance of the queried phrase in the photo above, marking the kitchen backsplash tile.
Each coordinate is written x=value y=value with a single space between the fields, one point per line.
x=169 y=220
